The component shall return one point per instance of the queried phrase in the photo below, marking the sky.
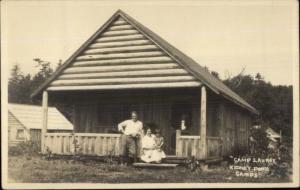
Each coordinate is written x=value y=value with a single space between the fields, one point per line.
x=226 y=36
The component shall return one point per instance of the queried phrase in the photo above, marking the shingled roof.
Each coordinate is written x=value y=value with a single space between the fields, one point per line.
x=183 y=60
x=30 y=116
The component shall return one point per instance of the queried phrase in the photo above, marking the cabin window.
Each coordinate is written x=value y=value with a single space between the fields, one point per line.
x=20 y=134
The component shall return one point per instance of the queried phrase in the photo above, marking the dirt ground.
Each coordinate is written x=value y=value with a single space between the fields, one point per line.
x=23 y=169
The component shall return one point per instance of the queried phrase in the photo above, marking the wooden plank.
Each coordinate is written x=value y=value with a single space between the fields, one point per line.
x=83 y=141
x=117 y=146
x=59 y=144
x=54 y=143
x=126 y=49
x=68 y=150
x=203 y=122
x=199 y=152
x=89 y=145
x=154 y=165
x=120 y=55
x=58 y=134
x=121 y=38
x=127 y=86
x=120 y=27
x=121 y=80
x=93 y=145
x=62 y=147
x=178 y=150
x=97 y=145
x=189 y=137
x=193 y=146
x=182 y=145
x=197 y=149
x=119 y=22
x=119 y=44
x=110 y=33
x=85 y=134
x=159 y=72
x=186 y=148
x=109 y=146
x=101 y=151
x=160 y=59
x=44 y=119
x=92 y=69
x=104 y=146
x=46 y=141
x=80 y=142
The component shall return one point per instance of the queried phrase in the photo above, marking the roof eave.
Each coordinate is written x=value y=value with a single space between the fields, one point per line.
x=177 y=59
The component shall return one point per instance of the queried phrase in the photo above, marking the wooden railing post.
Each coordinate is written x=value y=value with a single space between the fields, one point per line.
x=203 y=147
x=45 y=120
x=178 y=147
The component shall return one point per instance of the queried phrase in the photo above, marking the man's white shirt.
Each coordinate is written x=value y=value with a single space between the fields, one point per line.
x=130 y=127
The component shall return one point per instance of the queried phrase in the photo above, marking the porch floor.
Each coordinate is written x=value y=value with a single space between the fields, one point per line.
x=153 y=165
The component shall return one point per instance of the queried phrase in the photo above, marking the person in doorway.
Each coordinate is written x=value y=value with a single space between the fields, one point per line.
x=132 y=131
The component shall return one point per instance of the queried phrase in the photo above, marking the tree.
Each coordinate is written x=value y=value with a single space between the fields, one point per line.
x=215 y=74
x=20 y=86
x=44 y=73
x=273 y=102
x=58 y=64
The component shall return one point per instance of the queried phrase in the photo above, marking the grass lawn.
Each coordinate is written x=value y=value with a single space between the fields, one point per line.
x=36 y=170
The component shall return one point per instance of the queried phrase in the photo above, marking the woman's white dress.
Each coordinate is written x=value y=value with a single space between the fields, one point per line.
x=150 y=153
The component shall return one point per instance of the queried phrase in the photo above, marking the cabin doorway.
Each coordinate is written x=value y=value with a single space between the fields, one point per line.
x=181 y=115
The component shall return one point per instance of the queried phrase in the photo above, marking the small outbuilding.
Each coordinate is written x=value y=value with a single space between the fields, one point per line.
x=25 y=123
x=125 y=66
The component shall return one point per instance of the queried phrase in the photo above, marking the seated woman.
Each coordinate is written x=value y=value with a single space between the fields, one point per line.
x=158 y=154
x=148 y=146
x=152 y=147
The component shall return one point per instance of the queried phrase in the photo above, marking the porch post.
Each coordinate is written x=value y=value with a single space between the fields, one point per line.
x=178 y=146
x=45 y=120
x=203 y=147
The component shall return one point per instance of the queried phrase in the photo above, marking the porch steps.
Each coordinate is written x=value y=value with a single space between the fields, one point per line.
x=152 y=165
x=172 y=159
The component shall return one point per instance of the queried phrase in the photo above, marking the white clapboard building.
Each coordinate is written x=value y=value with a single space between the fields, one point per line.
x=25 y=123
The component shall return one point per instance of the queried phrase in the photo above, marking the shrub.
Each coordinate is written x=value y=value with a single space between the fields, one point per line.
x=27 y=148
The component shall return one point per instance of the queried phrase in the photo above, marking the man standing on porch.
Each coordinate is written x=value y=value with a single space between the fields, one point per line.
x=132 y=130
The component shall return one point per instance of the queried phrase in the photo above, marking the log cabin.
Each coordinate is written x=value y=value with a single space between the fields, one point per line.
x=125 y=66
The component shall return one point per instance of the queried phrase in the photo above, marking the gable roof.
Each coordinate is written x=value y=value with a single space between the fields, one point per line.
x=183 y=60
x=30 y=116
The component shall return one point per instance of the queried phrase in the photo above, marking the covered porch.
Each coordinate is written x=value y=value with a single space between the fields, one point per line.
x=95 y=116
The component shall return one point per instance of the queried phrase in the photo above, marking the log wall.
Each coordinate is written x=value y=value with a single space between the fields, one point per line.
x=122 y=58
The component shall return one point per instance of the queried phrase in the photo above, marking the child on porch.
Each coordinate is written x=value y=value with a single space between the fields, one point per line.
x=158 y=154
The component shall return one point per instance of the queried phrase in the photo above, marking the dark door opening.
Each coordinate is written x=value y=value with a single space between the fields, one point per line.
x=181 y=111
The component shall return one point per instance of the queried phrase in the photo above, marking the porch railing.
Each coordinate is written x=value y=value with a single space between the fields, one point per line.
x=189 y=146
x=83 y=143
